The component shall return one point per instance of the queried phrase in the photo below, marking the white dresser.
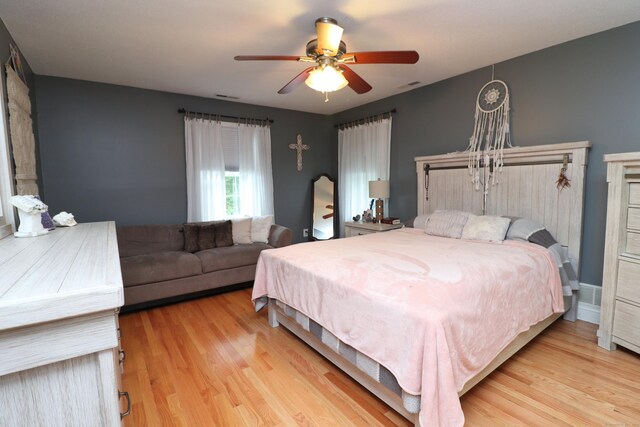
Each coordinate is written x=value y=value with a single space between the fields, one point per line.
x=59 y=343
x=620 y=310
x=360 y=228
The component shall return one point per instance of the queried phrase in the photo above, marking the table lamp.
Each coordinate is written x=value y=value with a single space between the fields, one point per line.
x=379 y=189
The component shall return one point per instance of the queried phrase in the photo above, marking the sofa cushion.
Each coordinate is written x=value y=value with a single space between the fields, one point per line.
x=145 y=239
x=224 y=234
x=230 y=257
x=158 y=267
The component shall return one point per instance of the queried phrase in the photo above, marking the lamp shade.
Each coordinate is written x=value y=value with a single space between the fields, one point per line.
x=326 y=79
x=379 y=189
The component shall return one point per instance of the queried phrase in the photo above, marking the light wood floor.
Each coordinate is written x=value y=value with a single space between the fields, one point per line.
x=214 y=362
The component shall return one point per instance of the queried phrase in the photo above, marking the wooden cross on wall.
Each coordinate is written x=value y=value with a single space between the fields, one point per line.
x=299 y=146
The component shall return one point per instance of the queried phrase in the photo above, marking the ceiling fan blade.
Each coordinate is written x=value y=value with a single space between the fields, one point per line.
x=266 y=58
x=329 y=36
x=297 y=81
x=384 y=57
x=357 y=83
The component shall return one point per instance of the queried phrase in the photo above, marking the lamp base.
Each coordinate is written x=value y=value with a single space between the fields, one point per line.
x=379 y=209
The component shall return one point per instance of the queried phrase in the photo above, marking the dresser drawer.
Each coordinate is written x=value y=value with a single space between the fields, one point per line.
x=361 y=231
x=633 y=243
x=629 y=281
x=634 y=194
x=626 y=323
x=633 y=220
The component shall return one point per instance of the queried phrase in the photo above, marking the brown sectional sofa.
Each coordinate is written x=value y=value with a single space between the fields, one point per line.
x=156 y=269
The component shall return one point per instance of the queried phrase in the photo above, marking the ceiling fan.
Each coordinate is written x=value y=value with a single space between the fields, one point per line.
x=329 y=55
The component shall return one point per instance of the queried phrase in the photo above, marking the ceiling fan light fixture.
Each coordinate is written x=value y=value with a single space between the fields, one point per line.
x=329 y=36
x=326 y=79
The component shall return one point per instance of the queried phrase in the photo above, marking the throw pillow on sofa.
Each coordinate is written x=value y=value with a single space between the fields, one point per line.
x=224 y=233
x=206 y=236
x=191 y=232
x=241 y=230
x=260 y=228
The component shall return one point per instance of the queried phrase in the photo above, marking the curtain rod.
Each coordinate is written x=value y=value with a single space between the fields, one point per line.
x=366 y=119
x=222 y=116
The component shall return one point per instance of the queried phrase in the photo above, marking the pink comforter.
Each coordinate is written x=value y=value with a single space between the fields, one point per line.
x=434 y=311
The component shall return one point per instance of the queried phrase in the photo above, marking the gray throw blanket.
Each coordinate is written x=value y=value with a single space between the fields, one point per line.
x=531 y=231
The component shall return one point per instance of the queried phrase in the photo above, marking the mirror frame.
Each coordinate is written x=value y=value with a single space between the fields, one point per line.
x=335 y=207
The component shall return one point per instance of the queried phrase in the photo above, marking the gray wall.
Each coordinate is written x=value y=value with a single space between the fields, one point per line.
x=111 y=152
x=586 y=89
x=117 y=153
x=5 y=54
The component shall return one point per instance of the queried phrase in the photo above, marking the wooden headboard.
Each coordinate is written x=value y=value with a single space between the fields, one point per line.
x=526 y=188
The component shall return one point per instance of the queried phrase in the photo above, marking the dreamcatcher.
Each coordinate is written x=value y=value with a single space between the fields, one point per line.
x=490 y=134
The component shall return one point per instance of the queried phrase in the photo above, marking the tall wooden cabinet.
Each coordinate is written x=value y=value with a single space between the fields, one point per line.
x=620 y=309
x=59 y=340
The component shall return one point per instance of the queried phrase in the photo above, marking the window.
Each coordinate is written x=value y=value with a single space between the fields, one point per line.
x=228 y=170
x=231 y=149
x=232 y=187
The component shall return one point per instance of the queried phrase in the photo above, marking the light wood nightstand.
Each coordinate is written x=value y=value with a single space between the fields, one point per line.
x=360 y=228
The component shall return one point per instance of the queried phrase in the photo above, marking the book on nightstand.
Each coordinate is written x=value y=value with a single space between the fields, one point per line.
x=390 y=220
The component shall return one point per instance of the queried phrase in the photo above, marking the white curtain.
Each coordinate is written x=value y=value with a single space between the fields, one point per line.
x=256 y=178
x=205 y=170
x=363 y=156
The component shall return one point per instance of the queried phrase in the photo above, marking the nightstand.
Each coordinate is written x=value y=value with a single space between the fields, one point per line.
x=360 y=228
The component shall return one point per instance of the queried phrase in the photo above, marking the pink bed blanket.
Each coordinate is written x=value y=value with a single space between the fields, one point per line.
x=434 y=311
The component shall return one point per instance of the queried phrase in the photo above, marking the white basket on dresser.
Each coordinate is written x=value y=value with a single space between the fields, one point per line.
x=620 y=310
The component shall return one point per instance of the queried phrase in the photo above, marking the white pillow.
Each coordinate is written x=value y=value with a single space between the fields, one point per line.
x=241 y=230
x=260 y=228
x=488 y=228
x=446 y=223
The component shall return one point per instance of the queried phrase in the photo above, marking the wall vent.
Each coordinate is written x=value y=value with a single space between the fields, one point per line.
x=218 y=95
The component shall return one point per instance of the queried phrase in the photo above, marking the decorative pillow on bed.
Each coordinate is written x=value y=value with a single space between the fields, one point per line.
x=523 y=228
x=241 y=230
x=446 y=223
x=420 y=221
x=260 y=228
x=224 y=233
x=488 y=228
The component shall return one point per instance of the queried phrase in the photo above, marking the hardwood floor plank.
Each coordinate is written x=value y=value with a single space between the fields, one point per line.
x=215 y=362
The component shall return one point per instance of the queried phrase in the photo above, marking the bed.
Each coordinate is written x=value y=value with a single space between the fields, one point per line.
x=418 y=319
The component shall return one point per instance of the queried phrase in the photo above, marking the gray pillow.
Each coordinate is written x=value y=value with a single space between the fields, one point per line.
x=522 y=229
x=488 y=228
x=420 y=221
x=191 y=231
x=446 y=223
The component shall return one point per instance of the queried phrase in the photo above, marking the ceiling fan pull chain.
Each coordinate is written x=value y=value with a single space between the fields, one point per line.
x=326 y=97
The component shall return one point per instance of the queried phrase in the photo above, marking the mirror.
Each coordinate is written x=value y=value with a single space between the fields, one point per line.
x=323 y=204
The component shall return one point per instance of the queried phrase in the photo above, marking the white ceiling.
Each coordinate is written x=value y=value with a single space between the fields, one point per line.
x=188 y=46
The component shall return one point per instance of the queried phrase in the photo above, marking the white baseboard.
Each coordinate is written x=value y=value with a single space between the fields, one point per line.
x=589 y=313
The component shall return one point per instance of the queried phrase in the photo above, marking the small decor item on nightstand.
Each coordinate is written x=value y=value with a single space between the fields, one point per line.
x=356 y=218
x=367 y=216
x=379 y=189
x=390 y=220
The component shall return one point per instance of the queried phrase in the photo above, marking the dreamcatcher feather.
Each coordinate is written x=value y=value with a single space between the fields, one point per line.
x=490 y=134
